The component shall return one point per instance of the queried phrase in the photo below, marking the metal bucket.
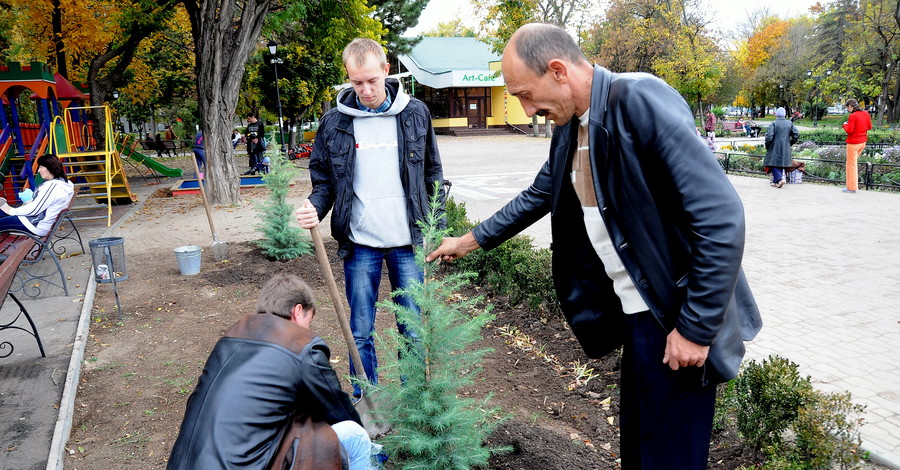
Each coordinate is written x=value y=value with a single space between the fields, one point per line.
x=188 y=259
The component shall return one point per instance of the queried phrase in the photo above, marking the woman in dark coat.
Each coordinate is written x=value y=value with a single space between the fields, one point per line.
x=779 y=138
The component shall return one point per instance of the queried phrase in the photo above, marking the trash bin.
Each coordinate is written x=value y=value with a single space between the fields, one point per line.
x=108 y=257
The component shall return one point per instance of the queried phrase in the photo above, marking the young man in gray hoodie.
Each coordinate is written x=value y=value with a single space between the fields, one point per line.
x=376 y=163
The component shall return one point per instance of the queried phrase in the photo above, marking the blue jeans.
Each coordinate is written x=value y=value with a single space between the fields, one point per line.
x=777 y=174
x=200 y=156
x=11 y=222
x=355 y=440
x=362 y=276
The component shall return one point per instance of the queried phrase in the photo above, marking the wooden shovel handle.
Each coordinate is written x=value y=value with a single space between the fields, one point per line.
x=212 y=227
x=338 y=301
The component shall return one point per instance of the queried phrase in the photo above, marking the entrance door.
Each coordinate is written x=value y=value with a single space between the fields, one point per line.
x=475 y=112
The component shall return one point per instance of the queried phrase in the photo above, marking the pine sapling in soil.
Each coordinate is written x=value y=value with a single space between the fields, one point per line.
x=433 y=427
x=281 y=240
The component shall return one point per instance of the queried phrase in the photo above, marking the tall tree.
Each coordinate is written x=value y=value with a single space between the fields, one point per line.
x=874 y=52
x=100 y=38
x=832 y=29
x=309 y=48
x=668 y=38
x=225 y=33
x=397 y=16
x=630 y=37
x=7 y=20
x=753 y=57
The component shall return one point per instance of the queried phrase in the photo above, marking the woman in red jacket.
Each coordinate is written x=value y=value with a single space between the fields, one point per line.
x=857 y=128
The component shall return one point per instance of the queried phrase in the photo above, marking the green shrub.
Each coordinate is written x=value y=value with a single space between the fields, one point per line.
x=824 y=135
x=827 y=431
x=281 y=240
x=796 y=427
x=718 y=112
x=515 y=268
x=457 y=223
x=767 y=399
x=820 y=110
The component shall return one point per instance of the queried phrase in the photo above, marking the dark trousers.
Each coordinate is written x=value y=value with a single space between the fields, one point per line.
x=665 y=415
x=11 y=222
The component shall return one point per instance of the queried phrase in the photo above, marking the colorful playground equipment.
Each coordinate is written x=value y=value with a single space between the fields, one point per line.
x=64 y=126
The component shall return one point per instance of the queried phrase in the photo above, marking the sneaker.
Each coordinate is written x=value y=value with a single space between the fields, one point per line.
x=851 y=191
x=780 y=184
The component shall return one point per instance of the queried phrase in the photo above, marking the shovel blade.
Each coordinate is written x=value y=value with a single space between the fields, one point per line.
x=219 y=251
x=371 y=421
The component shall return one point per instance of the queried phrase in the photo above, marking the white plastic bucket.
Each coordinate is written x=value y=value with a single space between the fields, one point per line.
x=188 y=259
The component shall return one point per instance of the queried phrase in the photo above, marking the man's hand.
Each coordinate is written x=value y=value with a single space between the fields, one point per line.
x=681 y=352
x=307 y=215
x=453 y=247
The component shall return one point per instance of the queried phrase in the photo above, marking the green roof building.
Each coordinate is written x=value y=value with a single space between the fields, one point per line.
x=459 y=79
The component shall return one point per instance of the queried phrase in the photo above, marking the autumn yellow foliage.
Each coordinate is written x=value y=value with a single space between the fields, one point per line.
x=759 y=48
x=87 y=27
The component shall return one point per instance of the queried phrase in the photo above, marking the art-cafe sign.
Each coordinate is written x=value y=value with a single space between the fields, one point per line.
x=476 y=78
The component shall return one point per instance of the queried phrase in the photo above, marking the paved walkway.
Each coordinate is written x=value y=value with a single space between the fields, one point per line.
x=824 y=266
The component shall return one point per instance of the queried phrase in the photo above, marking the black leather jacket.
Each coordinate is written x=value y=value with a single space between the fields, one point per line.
x=675 y=220
x=334 y=153
x=263 y=371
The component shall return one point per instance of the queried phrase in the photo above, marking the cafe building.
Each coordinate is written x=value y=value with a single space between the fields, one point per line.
x=459 y=79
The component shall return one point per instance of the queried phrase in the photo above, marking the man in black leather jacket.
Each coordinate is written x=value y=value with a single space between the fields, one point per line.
x=268 y=368
x=376 y=162
x=648 y=236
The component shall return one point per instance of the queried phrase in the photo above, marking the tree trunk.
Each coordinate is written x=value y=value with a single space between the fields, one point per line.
x=58 y=44
x=224 y=36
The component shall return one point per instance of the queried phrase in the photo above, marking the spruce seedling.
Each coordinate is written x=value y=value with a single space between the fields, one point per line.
x=281 y=240
x=433 y=427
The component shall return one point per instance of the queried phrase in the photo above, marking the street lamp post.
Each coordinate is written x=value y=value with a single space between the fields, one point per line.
x=813 y=107
x=781 y=93
x=273 y=46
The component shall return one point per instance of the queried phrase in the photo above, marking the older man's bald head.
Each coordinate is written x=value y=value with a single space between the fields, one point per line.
x=536 y=44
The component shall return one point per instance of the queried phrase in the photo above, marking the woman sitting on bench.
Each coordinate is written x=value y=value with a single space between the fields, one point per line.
x=50 y=198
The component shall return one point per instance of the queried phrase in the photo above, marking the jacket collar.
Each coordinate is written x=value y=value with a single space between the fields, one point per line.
x=271 y=329
x=599 y=94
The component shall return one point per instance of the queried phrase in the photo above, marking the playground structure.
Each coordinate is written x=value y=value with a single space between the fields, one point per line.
x=65 y=126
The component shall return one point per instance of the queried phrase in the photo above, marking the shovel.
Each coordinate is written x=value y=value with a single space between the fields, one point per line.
x=365 y=407
x=219 y=249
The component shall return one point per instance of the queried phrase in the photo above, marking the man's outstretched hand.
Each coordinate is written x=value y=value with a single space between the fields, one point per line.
x=453 y=247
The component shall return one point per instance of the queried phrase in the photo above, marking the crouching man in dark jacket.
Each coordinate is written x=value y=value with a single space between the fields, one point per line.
x=267 y=370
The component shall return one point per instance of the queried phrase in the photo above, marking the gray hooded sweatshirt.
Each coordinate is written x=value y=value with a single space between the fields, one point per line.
x=378 y=217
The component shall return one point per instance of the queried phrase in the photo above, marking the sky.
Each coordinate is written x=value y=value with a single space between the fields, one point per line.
x=728 y=13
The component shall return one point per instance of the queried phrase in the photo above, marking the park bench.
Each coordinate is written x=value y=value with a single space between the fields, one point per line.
x=150 y=146
x=29 y=279
x=738 y=127
x=147 y=145
x=8 y=270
